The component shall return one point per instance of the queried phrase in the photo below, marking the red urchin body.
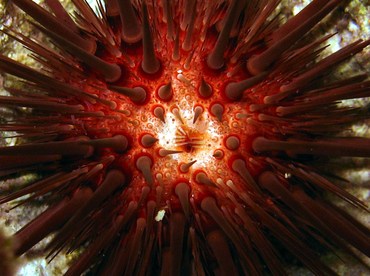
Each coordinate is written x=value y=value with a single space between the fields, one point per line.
x=177 y=138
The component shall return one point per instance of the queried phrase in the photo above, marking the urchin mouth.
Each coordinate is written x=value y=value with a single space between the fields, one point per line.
x=190 y=141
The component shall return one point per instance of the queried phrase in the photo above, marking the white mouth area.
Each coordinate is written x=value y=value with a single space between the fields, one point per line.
x=172 y=135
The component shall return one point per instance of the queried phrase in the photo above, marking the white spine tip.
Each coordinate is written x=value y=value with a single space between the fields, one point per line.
x=140 y=95
x=215 y=62
x=184 y=167
x=232 y=92
x=217 y=110
x=198 y=110
x=164 y=152
x=254 y=66
x=131 y=30
x=232 y=143
x=165 y=92
x=131 y=37
x=159 y=113
x=144 y=164
x=202 y=178
x=205 y=90
x=218 y=154
x=113 y=74
x=175 y=111
x=148 y=140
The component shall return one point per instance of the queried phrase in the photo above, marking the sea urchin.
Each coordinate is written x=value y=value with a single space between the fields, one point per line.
x=181 y=137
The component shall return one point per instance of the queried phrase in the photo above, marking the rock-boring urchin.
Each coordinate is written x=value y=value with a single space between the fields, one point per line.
x=181 y=137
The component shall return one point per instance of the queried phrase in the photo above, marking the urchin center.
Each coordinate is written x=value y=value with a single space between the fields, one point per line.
x=190 y=139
